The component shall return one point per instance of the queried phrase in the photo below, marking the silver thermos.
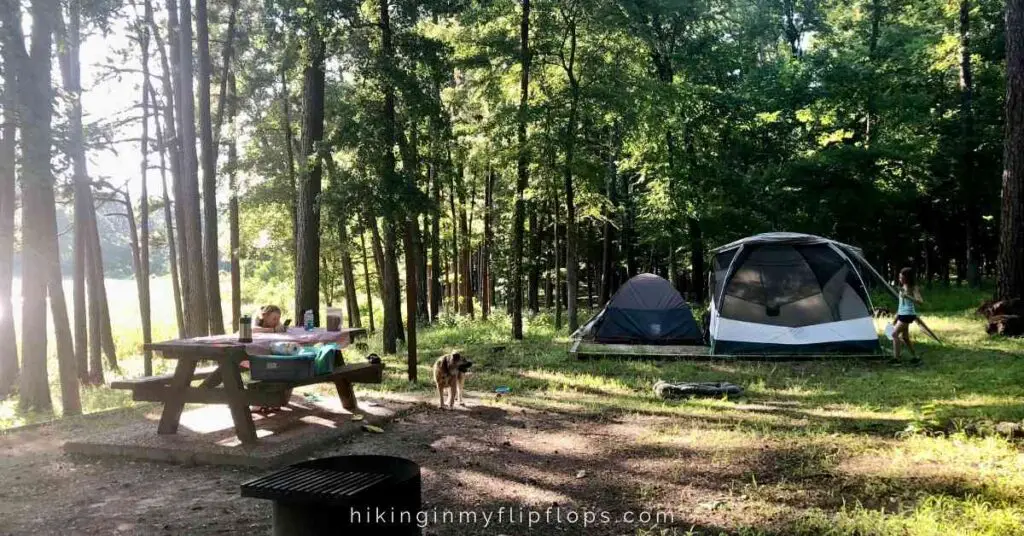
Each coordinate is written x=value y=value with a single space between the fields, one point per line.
x=245 y=329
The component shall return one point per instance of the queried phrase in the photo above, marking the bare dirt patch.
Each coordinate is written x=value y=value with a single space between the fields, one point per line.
x=548 y=469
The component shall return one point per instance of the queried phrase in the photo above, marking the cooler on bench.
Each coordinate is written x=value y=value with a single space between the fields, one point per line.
x=310 y=362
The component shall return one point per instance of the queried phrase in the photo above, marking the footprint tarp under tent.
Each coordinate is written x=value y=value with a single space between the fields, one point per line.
x=645 y=316
x=791 y=294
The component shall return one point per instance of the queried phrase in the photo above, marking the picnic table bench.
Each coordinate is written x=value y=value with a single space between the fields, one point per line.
x=223 y=383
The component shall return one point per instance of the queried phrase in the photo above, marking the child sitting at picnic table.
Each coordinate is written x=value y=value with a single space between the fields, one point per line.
x=269 y=320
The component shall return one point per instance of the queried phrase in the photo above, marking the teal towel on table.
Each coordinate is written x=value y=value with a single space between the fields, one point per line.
x=323 y=357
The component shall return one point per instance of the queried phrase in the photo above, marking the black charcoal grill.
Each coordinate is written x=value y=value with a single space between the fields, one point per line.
x=351 y=495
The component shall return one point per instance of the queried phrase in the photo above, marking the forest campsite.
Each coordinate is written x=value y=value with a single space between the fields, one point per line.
x=602 y=267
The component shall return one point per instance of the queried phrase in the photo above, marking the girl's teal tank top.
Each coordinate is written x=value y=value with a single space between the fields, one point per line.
x=906 y=307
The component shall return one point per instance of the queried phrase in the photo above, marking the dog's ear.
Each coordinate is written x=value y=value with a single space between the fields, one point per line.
x=456 y=356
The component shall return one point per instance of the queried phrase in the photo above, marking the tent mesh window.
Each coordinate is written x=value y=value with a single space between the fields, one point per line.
x=792 y=286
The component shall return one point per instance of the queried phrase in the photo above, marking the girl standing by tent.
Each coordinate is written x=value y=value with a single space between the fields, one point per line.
x=906 y=314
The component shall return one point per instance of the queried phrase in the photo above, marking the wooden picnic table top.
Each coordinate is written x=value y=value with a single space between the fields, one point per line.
x=217 y=347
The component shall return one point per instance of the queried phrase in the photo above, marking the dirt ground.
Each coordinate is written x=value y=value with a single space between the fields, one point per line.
x=553 y=468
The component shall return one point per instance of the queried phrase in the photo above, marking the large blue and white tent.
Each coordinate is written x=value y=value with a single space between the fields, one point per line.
x=791 y=294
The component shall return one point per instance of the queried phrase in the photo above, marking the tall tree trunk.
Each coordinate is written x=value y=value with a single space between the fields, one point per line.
x=391 y=184
x=1011 y=237
x=233 y=231
x=172 y=251
x=66 y=357
x=392 y=309
x=697 y=258
x=410 y=296
x=351 y=300
x=143 y=272
x=290 y=153
x=558 y=269
x=175 y=132
x=69 y=67
x=35 y=116
x=523 y=170
x=485 y=260
x=211 y=255
x=86 y=231
x=436 y=293
x=422 y=278
x=465 y=261
x=366 y=276
x=628 y=217
x=197 y=317
x=169 y=143
x=9 y=368
x=456 y=288
x=968 y=187
x=607 y=251
x=571 y=232
x=533 y=277
x=67 y=367
x=378 y=254
x=311 y=167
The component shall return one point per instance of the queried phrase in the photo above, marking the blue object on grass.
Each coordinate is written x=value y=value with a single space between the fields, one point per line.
x=503 y=390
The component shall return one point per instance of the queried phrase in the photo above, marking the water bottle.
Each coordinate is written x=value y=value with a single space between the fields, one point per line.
x=245 y=329
x=307 y=320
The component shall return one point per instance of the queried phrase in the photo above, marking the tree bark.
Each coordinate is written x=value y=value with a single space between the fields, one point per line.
x=523 y=170
x=436 y=293
x=211 y=255
x=168 y=142
x=533 y=278
x=410 y=297
x=9 y=367
x=456 y=288
x=352 y=301
x=571 y=232
x=465 y=262
x=391 y=185
x=485 y=262
x=143 y=272
x=290 y=153
x=233 y=231
x=422 y=278
x=607 y=250
x=366 y=276
x=967 y=164
x=172 y=251
x=393 y=308
x=197 y=317
x=558 y=269
x=628 y=217
x=35 y=118
x=1011 y=237
x=307 y=211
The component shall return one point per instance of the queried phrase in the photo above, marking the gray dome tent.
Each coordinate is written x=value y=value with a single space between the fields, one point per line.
x=790 y=293
x=645 y=310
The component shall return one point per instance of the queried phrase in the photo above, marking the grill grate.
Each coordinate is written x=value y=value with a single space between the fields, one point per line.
x=303 y=482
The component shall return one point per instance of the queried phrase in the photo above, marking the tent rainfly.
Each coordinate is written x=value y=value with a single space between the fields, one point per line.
x=645 y=310
x=790 y=294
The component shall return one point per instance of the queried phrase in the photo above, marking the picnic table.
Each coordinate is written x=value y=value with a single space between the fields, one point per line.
x=223 y=384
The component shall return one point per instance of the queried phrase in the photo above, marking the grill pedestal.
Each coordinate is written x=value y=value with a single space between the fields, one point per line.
x=350 y=495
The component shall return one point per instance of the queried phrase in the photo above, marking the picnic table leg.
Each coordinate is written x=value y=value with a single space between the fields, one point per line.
x=346 y=394
x=175 y=402
x=232 y=378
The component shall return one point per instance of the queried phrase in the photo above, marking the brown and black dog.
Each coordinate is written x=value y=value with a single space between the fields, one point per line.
x=450 y=371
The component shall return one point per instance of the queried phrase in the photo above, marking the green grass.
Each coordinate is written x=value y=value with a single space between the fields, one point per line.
x=835 y=446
